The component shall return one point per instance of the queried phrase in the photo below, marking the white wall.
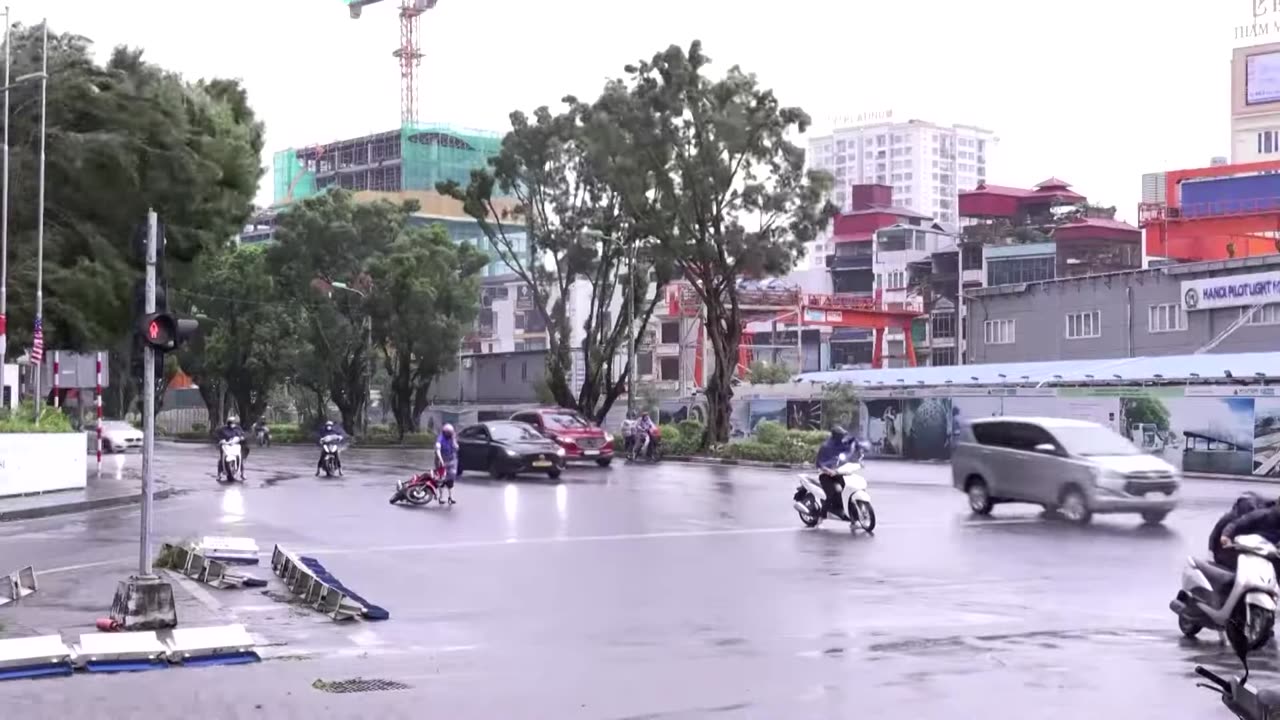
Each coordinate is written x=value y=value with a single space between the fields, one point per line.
x=41 y=462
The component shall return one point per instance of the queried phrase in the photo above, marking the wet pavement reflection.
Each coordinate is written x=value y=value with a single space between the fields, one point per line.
x=664 y=591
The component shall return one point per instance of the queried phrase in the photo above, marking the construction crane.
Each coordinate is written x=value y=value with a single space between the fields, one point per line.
x=409 y=53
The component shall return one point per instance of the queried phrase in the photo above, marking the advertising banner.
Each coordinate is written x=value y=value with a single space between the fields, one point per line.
x=1230 y=291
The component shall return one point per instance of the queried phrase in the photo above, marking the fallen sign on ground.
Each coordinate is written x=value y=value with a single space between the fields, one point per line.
x=306 y=578
x=127 y=651
x=196 y=565
x=17 y=585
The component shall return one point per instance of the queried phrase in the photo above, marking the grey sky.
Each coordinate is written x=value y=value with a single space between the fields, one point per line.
x=1095 y=92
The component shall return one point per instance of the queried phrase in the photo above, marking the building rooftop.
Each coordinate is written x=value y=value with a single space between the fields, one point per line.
x=1171 y=368
x=889 y=210
x=1260 y=263
x=1080 y=224
x=1023 y=250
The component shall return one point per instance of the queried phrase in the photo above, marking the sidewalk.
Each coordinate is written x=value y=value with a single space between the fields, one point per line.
x=106 y=492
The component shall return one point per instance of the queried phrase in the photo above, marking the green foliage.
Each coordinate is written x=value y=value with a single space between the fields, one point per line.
x=708 y=171
x=683 y=438
x=574 y=228
x=23 y=420
x=1146 y=410
x=765 y=373
x=771 y=432
x=840 y=406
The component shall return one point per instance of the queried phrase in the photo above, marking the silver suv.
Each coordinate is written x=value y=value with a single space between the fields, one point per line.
x=1075 y=467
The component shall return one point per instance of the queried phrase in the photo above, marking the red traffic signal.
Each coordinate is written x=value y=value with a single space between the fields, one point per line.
x=165 y=332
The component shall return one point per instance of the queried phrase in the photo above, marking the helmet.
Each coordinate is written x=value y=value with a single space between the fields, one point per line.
x=837 y=433
x=233 y=420
x=447 y=429
x=328 y=424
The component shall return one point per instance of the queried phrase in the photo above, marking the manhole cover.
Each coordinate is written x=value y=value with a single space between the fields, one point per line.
x=358 y=685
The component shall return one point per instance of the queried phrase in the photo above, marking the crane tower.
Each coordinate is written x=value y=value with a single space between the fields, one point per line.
x=409 y=53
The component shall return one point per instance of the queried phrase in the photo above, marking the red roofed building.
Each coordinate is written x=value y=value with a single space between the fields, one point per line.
x=871 y=209
x=1092 y=245
x=1018 y=205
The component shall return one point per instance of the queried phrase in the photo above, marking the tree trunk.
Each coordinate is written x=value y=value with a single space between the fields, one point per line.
x=724 y=332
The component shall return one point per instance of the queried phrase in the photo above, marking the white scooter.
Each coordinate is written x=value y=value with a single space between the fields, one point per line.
x=1213 y=596
x=853 y=505
x=231 y=464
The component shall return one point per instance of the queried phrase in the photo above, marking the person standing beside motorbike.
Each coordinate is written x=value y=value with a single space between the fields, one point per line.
x=230 y=431
x=629 y=431
x=331 y=434
x=447 y=457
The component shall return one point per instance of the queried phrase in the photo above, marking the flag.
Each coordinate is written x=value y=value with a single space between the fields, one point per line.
x=37 y=342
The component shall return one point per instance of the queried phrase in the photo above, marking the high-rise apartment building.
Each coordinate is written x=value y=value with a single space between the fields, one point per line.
x=927 y=165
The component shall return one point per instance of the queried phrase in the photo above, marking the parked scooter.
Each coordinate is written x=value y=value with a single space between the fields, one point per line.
x=1214 y=597
x=1243 y=700
x=852 y=502
x=264 y=436
x=330 y=446
x=420 y=489
x=231 y=468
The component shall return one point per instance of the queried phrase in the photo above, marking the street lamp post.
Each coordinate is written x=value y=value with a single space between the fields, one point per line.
x=368 y=361
x=9 y=83
x=44 y=97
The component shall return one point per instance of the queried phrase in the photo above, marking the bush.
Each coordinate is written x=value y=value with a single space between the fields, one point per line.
x=770 y=432
x=199 y=428
x=757 y=451
x=23 y=420
x=682 y=439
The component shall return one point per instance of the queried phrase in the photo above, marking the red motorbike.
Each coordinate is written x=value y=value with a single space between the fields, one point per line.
x=420 y=489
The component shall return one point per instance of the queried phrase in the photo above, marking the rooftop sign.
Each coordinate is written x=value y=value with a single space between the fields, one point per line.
x=1231 y=291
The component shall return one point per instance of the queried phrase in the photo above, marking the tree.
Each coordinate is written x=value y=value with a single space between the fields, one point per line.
x=247 y=325
x=567 y=228
x=122 y=137
x=709 y=172
x=766 y=373
x=424 y=296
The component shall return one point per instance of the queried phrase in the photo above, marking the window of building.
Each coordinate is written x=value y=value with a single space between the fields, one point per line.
x=942 y=357
x=1084 y=325
x=897 y=177
x=840 y=146
x=1167 y=317
x=524 y=370
x=906 y=176
x=1268 y=142
x=644 y=364
x=670 y=332
x=502 y=371
x=999 y=332
x=1020 y=270
x=1265 y=315
x=944 y=326
x=669 y=368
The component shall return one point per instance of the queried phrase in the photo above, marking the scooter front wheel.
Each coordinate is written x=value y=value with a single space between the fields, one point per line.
x=1189 y=628
x=419 y=495
x=864 y=516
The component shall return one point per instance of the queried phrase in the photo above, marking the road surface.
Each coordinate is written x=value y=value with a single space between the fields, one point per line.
x=657 y=592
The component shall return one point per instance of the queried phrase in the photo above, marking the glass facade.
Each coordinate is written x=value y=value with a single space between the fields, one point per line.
x=1020 y=270
x=468 y=231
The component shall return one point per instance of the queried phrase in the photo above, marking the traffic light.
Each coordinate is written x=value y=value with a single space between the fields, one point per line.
x=166 y=332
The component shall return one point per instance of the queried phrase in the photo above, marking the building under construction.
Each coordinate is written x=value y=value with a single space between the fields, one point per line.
x=413 y=158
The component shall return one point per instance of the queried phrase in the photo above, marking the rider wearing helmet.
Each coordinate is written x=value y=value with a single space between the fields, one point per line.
x=1245 y=504
x=1264 y=520
x=644 y=432
x=231 y=429
x=332 y=433
x=828 y=459
x=447 y=457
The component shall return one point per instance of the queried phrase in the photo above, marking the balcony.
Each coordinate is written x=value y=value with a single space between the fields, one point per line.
x=848 y=262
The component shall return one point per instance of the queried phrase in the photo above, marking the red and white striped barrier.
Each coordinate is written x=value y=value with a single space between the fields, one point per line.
x=97 y=402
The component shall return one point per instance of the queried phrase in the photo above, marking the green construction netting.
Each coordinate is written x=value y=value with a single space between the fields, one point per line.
x=436 y=153
x=292 y=179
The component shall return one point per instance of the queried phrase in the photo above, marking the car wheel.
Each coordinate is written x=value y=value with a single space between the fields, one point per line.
x=1154 y=517
x=1074 y=507
x=553 y=474
x=496 y=474
x=604 y=462
x=979 y=496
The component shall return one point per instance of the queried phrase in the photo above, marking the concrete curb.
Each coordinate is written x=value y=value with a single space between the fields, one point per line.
x=80 y=506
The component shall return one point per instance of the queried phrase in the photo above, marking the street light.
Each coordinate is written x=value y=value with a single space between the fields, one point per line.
x=368 y=362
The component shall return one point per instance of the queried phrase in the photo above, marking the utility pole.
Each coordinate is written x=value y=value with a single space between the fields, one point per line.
x=44 y=96
x=4 y=220
x=144 y=601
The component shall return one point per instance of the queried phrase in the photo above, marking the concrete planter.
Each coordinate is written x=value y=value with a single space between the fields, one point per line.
x=41 y=462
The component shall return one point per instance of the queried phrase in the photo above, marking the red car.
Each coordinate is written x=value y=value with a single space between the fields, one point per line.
x=581 y=439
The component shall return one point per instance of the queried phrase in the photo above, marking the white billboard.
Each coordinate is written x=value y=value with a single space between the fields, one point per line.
x=1262 y=79
x=1231 y=291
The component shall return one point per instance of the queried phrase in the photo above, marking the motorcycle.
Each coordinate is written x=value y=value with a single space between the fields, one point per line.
x=264 y=436
x=1242 y=699
x=420 y=489
x=1214 y=597
x=651 y=451
x=853 y=504
x=330 y=445
x=231 y=468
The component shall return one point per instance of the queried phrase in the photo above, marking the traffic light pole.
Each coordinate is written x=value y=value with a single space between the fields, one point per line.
x=145 y=601
x=148 y=402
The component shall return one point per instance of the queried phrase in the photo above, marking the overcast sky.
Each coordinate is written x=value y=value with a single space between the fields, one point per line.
x=1095 y=92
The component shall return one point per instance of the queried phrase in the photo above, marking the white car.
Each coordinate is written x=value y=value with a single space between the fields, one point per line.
x=117 y=436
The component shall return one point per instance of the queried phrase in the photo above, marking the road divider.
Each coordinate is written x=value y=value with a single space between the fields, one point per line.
x=310 y=581
x=48 y=655
x=18 y=585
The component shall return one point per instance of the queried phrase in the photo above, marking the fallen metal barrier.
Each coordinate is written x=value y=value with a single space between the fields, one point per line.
x=200 y=567
x=306 y=578
x=32 y=657
x=232 y=550
x=126 y=651
x=17 y=585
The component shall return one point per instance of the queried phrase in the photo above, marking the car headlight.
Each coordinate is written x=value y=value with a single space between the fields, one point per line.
x=560 y=451
x=512 y=453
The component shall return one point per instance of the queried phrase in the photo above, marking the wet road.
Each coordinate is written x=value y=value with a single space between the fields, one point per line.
x=662 y=592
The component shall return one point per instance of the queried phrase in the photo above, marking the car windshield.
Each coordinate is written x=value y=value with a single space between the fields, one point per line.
x=513 y=432
x=567 y=421
x=1092 y=441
